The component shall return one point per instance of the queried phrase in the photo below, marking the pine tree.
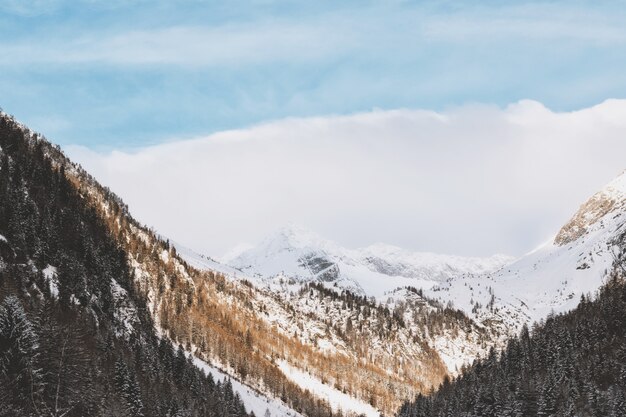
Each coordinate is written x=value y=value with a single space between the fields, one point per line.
x=64 y=364
x=127 y=387
x=18 y=356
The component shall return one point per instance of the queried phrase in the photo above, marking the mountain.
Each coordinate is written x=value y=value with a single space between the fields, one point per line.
x=503 y=291
x=75 y=336
x=498 y=292
x=367 y=305
x=552 y=278
x=437 y=311
x=496 y=296
x=297 y=253
x=574 y=364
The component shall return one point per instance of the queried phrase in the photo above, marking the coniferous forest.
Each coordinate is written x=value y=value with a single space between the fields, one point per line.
x=572 y=365
x=62 y=352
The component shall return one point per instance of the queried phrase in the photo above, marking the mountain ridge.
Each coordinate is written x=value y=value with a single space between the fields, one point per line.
x=298 y=253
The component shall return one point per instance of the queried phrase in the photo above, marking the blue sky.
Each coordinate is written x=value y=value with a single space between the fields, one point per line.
x=124 y=74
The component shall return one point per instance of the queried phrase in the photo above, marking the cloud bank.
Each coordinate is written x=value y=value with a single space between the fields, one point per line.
x=473 y=180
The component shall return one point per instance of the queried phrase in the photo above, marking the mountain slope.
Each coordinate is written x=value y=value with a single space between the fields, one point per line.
x=75 y=339
x=573 y=365
x=496 y=300
x=402 y=333
x=553 y=277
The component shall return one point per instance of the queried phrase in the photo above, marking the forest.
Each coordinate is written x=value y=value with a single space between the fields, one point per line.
x=64 y=350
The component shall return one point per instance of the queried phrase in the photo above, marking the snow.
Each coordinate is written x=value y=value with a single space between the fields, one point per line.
x=235 y=252
x=293 y=256
x=337 y=399
x=553 y=277
x=297 y=253
x=617 y=187
x=252 y=399
x=457 y=351
x=50 y=275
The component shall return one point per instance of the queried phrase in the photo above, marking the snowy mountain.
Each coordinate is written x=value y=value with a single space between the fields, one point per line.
x=553 y=277
x=299 y=254
x=512 y=292
x=358 y=307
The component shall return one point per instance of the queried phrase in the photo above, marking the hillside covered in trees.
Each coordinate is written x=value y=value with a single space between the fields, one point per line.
x=573 y=364
x=76 y=339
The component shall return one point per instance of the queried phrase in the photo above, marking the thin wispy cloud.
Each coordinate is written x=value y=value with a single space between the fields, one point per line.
x=184 y=46
x=31 y=8
x=352 y=33
x=530 y=22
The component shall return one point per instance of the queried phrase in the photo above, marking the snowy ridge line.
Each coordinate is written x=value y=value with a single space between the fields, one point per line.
x=295 y=252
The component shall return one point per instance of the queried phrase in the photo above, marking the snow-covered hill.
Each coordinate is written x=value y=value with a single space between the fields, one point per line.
x=384 y=321
x=254 y=401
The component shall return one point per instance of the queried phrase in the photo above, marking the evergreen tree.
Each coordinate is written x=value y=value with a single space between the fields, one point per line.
x=18 y=356
x=128 y=388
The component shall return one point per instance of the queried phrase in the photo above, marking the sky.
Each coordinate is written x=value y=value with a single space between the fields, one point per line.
x=158 y=85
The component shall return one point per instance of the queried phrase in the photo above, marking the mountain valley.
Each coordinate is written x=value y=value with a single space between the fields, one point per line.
x=298 y=322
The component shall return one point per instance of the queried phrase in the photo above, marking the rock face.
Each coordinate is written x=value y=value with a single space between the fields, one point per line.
x=609 y=199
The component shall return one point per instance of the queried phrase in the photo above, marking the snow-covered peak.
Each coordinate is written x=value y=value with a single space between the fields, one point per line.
x=553 y=277
x=298 y=253
x=437 y=266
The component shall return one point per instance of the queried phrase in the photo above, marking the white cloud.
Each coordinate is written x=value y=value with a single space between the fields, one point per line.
x=472 y=180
